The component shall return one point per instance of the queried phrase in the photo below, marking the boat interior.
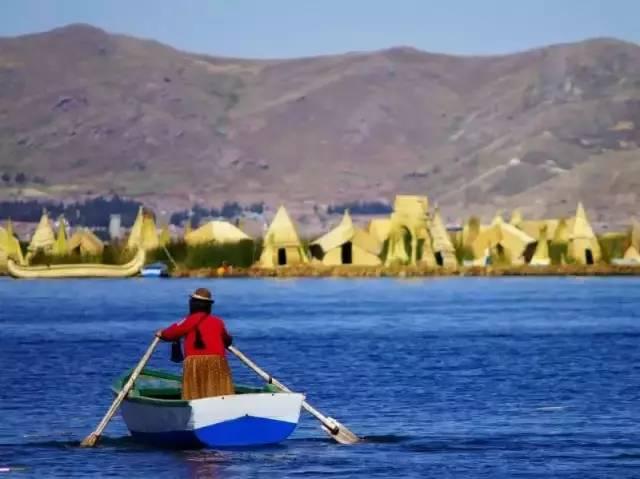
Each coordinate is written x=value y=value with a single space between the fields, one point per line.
x=163 y=386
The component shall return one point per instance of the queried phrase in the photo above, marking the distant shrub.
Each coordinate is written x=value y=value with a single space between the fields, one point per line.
x=361 y=208
x=230 y=209
x=94 y=212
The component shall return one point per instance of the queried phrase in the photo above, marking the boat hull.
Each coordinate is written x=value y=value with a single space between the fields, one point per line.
x=241 y=420
x=131 y=268
x=153 y=273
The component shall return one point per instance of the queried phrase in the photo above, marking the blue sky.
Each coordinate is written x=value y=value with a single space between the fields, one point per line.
x=291 y=28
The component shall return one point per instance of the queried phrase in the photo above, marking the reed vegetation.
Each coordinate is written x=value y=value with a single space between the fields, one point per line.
x=558 y=253
x=384 y=251
x=407 y=271
x=112 y=254
x=613 y=246
x=209 y=255
x=463 y=253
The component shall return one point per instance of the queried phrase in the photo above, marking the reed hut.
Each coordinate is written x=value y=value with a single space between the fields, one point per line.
x=470 y=231
x=9 y=246
x=583 y=243
x=541 y=255
x=634 y=234
x=216 y=232
x=379 y=228
x=409 y=239
x=60 y=245
x=562 y=232
x=282 y=245
x=631 y=255
x=143 y=234
x=516 y=218
x=443 y=250
x=43 y=237
x=347 y=244
x=84 y=242
x=504 y=240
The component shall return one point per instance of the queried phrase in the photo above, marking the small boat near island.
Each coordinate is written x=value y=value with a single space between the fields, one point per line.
x=88 y=270
x=155 y=270
x=155 y=413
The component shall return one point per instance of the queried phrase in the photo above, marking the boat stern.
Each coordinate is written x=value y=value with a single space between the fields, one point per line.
x=245 y=420
x=154 y=413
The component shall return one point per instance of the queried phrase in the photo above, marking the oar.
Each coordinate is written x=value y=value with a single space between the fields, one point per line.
x=175 y=265
x=339 y=432
x=92 y=438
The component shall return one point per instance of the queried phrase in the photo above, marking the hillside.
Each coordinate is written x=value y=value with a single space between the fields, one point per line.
x=83 y=112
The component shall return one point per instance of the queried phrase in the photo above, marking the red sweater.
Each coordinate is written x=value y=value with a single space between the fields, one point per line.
x=212 y=331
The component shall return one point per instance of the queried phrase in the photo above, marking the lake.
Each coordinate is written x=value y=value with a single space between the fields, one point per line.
x=450 y=377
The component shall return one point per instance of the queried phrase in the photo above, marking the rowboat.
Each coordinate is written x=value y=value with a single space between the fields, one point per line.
x=154 y=270
x=155 y=413
x=87 y=270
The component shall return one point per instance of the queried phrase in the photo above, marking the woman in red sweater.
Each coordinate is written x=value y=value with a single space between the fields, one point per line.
x=205 y=371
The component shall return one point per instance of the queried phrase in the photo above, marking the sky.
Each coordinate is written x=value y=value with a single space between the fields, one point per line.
x=294 y=28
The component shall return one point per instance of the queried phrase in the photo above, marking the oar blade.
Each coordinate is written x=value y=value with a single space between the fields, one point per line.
x=90 y=440
x=340 y=433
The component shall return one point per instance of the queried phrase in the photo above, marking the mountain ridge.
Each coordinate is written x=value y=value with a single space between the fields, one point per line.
x=93 y=113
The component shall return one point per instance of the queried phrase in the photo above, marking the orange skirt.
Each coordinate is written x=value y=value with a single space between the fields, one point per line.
x=206 y=376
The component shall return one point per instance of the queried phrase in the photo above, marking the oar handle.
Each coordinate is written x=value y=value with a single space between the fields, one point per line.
x=326 y=422
x=92 y=438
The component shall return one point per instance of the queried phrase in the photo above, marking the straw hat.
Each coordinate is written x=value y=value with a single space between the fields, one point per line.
x=202 y=294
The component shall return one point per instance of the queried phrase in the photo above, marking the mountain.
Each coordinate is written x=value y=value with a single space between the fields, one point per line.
x=84 y=112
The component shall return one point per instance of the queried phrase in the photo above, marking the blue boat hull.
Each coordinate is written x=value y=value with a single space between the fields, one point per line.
x=242 y=432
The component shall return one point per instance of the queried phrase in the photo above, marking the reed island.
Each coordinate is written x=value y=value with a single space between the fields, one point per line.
x=412 y=241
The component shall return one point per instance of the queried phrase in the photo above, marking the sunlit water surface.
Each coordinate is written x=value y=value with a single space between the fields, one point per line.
x=443 y=378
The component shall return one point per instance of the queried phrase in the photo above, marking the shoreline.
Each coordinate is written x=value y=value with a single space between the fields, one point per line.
x=411 y=271
x=357 y=272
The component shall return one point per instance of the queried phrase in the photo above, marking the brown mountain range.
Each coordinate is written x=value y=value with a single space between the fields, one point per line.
x=84 y=112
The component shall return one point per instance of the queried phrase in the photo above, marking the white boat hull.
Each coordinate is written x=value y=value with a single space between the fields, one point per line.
x=224 y=421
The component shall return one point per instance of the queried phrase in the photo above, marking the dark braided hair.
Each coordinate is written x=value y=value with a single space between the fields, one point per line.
x=199 y=306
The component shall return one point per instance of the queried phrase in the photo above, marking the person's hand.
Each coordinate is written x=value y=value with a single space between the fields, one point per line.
x=159 y=333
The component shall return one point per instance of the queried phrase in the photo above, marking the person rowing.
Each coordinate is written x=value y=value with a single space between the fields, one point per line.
x=206 y=374
x=205 y=371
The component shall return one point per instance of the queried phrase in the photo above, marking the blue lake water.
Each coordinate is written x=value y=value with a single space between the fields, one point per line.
x=465 y=377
